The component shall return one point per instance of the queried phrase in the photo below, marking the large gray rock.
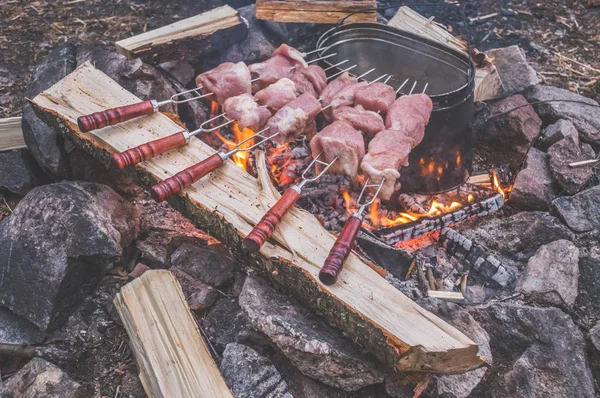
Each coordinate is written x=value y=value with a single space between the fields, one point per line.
x=59 y=238
x=250 y=375
x=513 y=68
x=588 y=304
x=565 y=152
x=43 y=142
x=552 y=274
x=516 y=238
x=506 y=138
x=226 y=323
x=585 y=118
x=556 y=132
x=40 y=378
x=538 y=352
x=211 y=264
x=18 y=171
x=17 y=330
x=594 y=336
x=534 y=186
x=581 y=212
x=319 y=351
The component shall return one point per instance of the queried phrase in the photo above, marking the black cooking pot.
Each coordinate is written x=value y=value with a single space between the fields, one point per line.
x=443 y=159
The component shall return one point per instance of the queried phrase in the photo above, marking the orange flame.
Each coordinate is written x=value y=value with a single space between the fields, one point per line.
x=240 y=158
x=496 y=183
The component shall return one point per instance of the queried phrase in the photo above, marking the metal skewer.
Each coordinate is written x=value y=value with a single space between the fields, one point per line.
x=187 y=177
x=345 y=241
x=269 y=222
x=109 y=117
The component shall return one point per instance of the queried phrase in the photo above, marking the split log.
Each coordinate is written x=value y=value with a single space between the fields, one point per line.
x=11 y=134
x=488 y=84
x=316 y=11
x=229 y=202
x=456 y=297
x=187 y=38
x=173 y=358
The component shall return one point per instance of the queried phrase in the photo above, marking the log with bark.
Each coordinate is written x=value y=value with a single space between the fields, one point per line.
x=229 y=202
x=173 y=358
x=316 y=11
x=188 y=38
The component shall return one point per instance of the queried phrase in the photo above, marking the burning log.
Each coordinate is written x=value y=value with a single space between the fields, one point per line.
x=173 y=358
x=321 y=11
x=474 y=256
x=229 y=202
x=187 y=38
x=395 y=235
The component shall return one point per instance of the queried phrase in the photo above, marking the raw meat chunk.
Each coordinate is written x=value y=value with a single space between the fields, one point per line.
x=312 y=80
x=376 y=97
x=333 y=87
x=345 y=96
x=281 y=64
x=294 y=118
x=342 y=140
x=410 y=114
x=277 y=94
x=246 y=112
x=225 y=81
x=367 y=122
x=387 y=152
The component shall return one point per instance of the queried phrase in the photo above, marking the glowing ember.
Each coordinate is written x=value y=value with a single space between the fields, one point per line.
x=279 y=158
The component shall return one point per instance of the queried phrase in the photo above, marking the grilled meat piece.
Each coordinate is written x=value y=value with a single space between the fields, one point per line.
x=294 y=118
x=340 y=140
x=376 y=97
x=225 y=81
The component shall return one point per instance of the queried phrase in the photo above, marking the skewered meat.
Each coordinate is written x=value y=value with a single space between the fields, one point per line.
x=377 y=97
x=367 y=122
x=333 y=87
x=387 y=152
x=410 y=114
x=345 y=96
x=277 y=94
x=342 y=140
x=294 y=118
x=281 y=64
x=248 y=114
x=312 y=80
x=225 y=81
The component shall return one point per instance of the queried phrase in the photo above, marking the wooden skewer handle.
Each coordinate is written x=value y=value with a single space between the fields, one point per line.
x=149 y=150
x=340 y=251
x=265 y=227
x=117 y=115
x=185 y=178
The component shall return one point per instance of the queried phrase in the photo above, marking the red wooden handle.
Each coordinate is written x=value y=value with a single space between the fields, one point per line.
x=340 y=251
x=117 y=115
x=186 y=177
x=148 y=150
x=265 y=227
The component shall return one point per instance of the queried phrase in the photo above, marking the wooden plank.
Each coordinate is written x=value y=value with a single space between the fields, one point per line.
x=320 y=11
x=187 y=38
x=229 y=202
x=488 y=84
x=173 y=359
x=11 y=134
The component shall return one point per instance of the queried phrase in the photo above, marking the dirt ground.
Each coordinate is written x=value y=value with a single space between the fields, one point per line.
x=29 y=29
